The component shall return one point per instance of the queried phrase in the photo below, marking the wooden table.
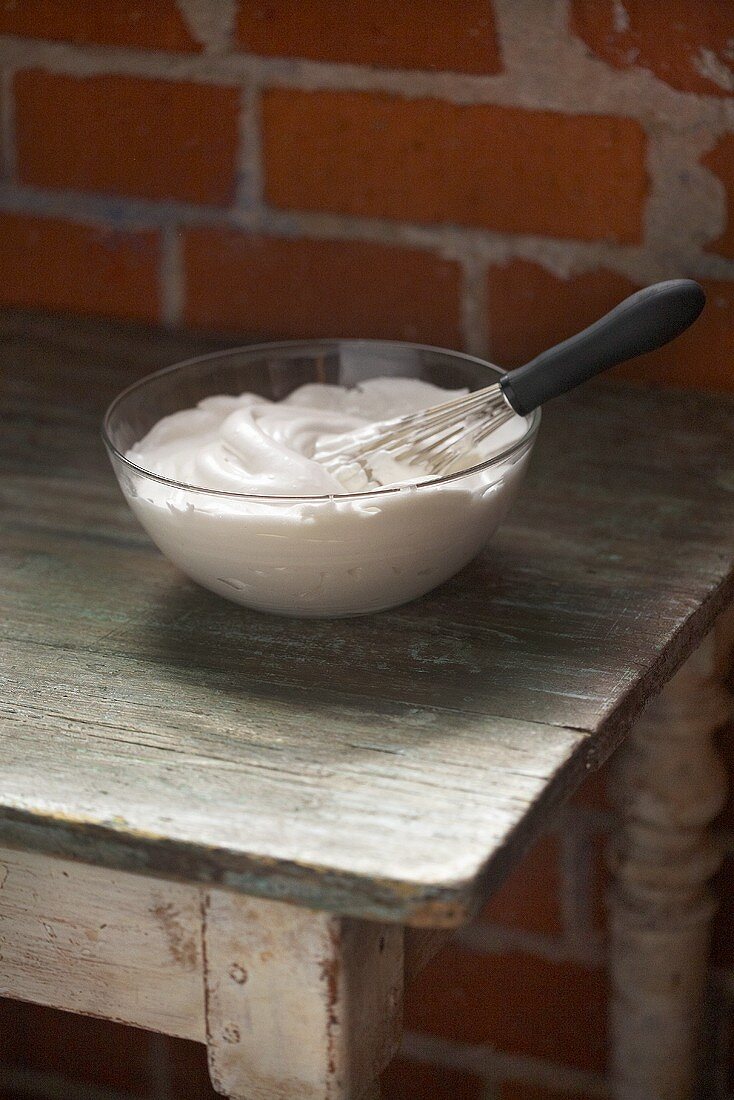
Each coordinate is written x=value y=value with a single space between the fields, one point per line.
x=220 y=824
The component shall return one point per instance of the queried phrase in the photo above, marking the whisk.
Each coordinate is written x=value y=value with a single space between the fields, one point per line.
x=436 y=438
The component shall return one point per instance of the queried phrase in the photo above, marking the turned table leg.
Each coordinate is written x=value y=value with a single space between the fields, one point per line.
x=300 y=1005
x=670 y=784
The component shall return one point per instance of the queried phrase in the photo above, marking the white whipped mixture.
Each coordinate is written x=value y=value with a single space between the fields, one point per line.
x=335 y=554
x=248 y=444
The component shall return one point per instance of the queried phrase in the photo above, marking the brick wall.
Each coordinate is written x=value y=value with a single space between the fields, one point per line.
x=489 y=176
x=484 y=176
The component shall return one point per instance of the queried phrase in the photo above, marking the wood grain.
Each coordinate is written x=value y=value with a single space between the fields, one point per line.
x=391 y=767
x=290 y=1001
x=670 y=786
x=104 y=943
x=299 y=1003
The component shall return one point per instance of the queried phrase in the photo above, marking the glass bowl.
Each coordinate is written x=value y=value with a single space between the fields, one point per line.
x=314 y=556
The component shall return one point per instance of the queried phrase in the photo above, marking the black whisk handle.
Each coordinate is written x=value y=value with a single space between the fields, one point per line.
x=644 y=321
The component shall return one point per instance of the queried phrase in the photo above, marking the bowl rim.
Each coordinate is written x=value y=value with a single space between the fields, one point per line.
x=331 y=343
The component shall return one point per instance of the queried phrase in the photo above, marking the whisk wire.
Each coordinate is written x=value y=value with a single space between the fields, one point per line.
x=437 y=436
x=429 y=437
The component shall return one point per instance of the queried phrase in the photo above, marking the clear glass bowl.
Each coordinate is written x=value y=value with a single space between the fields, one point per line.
x=313 y=556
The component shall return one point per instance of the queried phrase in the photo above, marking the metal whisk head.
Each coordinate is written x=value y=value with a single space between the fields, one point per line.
x=433 y=439
x=436 y=438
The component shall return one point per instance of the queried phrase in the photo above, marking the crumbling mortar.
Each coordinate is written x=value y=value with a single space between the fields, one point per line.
x=546 y=68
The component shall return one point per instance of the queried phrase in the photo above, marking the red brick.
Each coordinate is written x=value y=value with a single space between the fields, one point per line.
x=155 y=139
x=725 y=747
x=721 y=162
x=522 y=1090
x=518 y=1003
x=593 y=793
x=188 y=1077
x=459 y=37
x=682 y=44
x=600 y=881
x=141 y=24
x=80 y=1048
x=722 y=950
x=531 y=309
x=404 y=1080
x=531 y=897
x=701 y=358
x=271 y=287
x=47 y=263
x=423 y=160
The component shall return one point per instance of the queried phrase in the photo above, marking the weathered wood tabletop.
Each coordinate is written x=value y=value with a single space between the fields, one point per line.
x=389 y=767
